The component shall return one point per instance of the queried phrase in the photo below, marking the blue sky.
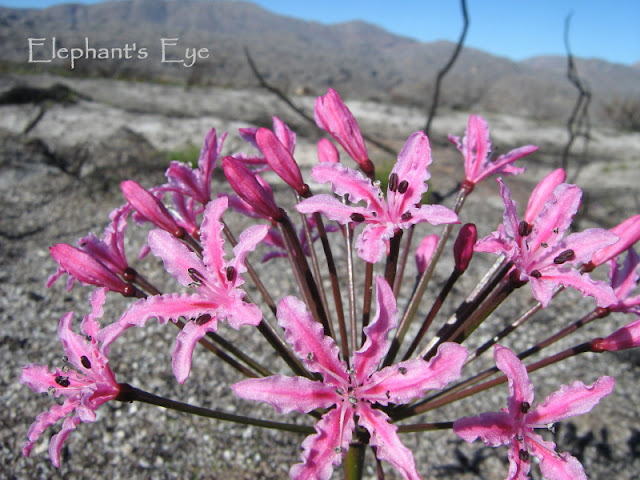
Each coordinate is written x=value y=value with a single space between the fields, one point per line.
x=516 y=29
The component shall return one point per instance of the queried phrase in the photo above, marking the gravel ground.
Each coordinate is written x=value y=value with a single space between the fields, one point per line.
x=42 y=204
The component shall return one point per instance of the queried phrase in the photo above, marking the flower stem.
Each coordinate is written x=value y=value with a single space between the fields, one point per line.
x=129 y=393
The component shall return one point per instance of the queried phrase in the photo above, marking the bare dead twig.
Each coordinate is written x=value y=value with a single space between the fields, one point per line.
x=578 y=124
x=282 y=96
x=444 y=70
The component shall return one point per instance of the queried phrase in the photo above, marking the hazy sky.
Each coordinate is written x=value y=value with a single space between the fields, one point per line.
x=516 y=29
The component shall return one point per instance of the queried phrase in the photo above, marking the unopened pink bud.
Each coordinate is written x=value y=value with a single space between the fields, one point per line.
x=244 y=183
x=629 y=233
x=463 y=246
x=150 y=207
x=424 y=252
x=333 y=116
x=85 y=268
x=626 y=337
x=280 y=160
x=327 y=151
x=286 y=136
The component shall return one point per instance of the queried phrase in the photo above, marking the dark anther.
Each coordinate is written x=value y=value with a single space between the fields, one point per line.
x=544 y=244
x=524 y=228
x=406 y=216
x=63 y=381
x=88 y=338
x=180 y=233
x=195 y=275
x=388 y=394
x=402 y=370
x=85 y=362
x=202 y=319
x=403 y=186
x=338 y=449
x=357 y=217
x=564 y=257
x=535 y=274
x=393 y=182
x=555 y=230
x=65 y=358
x=231 y=273
x=524 y=455
x=339 y=391
x=524 y=407
x=310 y=356
x=129 y=274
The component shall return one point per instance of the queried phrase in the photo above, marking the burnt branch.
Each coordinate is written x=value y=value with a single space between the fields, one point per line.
x=444 y=70
x=282 y=96
x=578 y=124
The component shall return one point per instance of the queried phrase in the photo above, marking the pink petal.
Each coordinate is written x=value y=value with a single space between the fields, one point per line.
x=408 y=380
x=570 y=401
x=520 y=388
x=346 y=181
x=518 y=468
x=629 y=233
x=207 y=161
x=57 y=441
x=247 y=242
x=377 y=343
x=584 y=244
x=433 y=214
x=280 y=159
x=331 y=207
x=287 y=394
x=411 y=167
x=177 y=258
x=510 y=216
x=325 y=449
x=44 y=421
x=600 y=291
x=424 y=252
x=212 y=240
x=555 y=217
x=624 y=279
x=286 y=136
x=186 y=341
x=318 y=352
x=542 y=193
x=385 y=438
x=552 y=465
x=493 y=428
x=372 y=244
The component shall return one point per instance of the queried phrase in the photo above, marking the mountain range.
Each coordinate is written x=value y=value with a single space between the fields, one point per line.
x=204 y=40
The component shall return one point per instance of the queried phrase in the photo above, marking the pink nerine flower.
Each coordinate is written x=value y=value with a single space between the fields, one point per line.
x=537 y=247
x=476 y=150
x=217 y=283
x=514 y=425
x=85 y=387
x=383 y=218
x=353 y=391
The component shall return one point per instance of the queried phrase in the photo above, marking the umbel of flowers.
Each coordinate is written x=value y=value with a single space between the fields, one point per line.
x=337 y=337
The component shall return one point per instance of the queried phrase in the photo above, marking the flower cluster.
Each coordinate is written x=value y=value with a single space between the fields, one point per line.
x=337 y=362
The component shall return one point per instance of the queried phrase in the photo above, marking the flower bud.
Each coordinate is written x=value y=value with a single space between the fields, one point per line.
x=333 y=116
x=626 y=337
x=244 y=183
x=85 y=268
x=150 y=207
x=327 y=151
x=463 y=246
x=280 y=160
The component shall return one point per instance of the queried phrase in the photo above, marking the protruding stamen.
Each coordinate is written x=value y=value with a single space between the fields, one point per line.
x=402 y=370
x=564 y=257
x=231 y=273
x=524 y=228
x=202 y=319
x=63 y=381
x=536 y=274
x=403 y=186
x=84 y=360
x=524 y=407
x=357 y=217
x=406 y=216
x=524 y=455
x=195 y=275
x=393 y=182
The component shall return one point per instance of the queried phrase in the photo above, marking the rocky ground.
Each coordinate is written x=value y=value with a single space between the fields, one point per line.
x=60 y=179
